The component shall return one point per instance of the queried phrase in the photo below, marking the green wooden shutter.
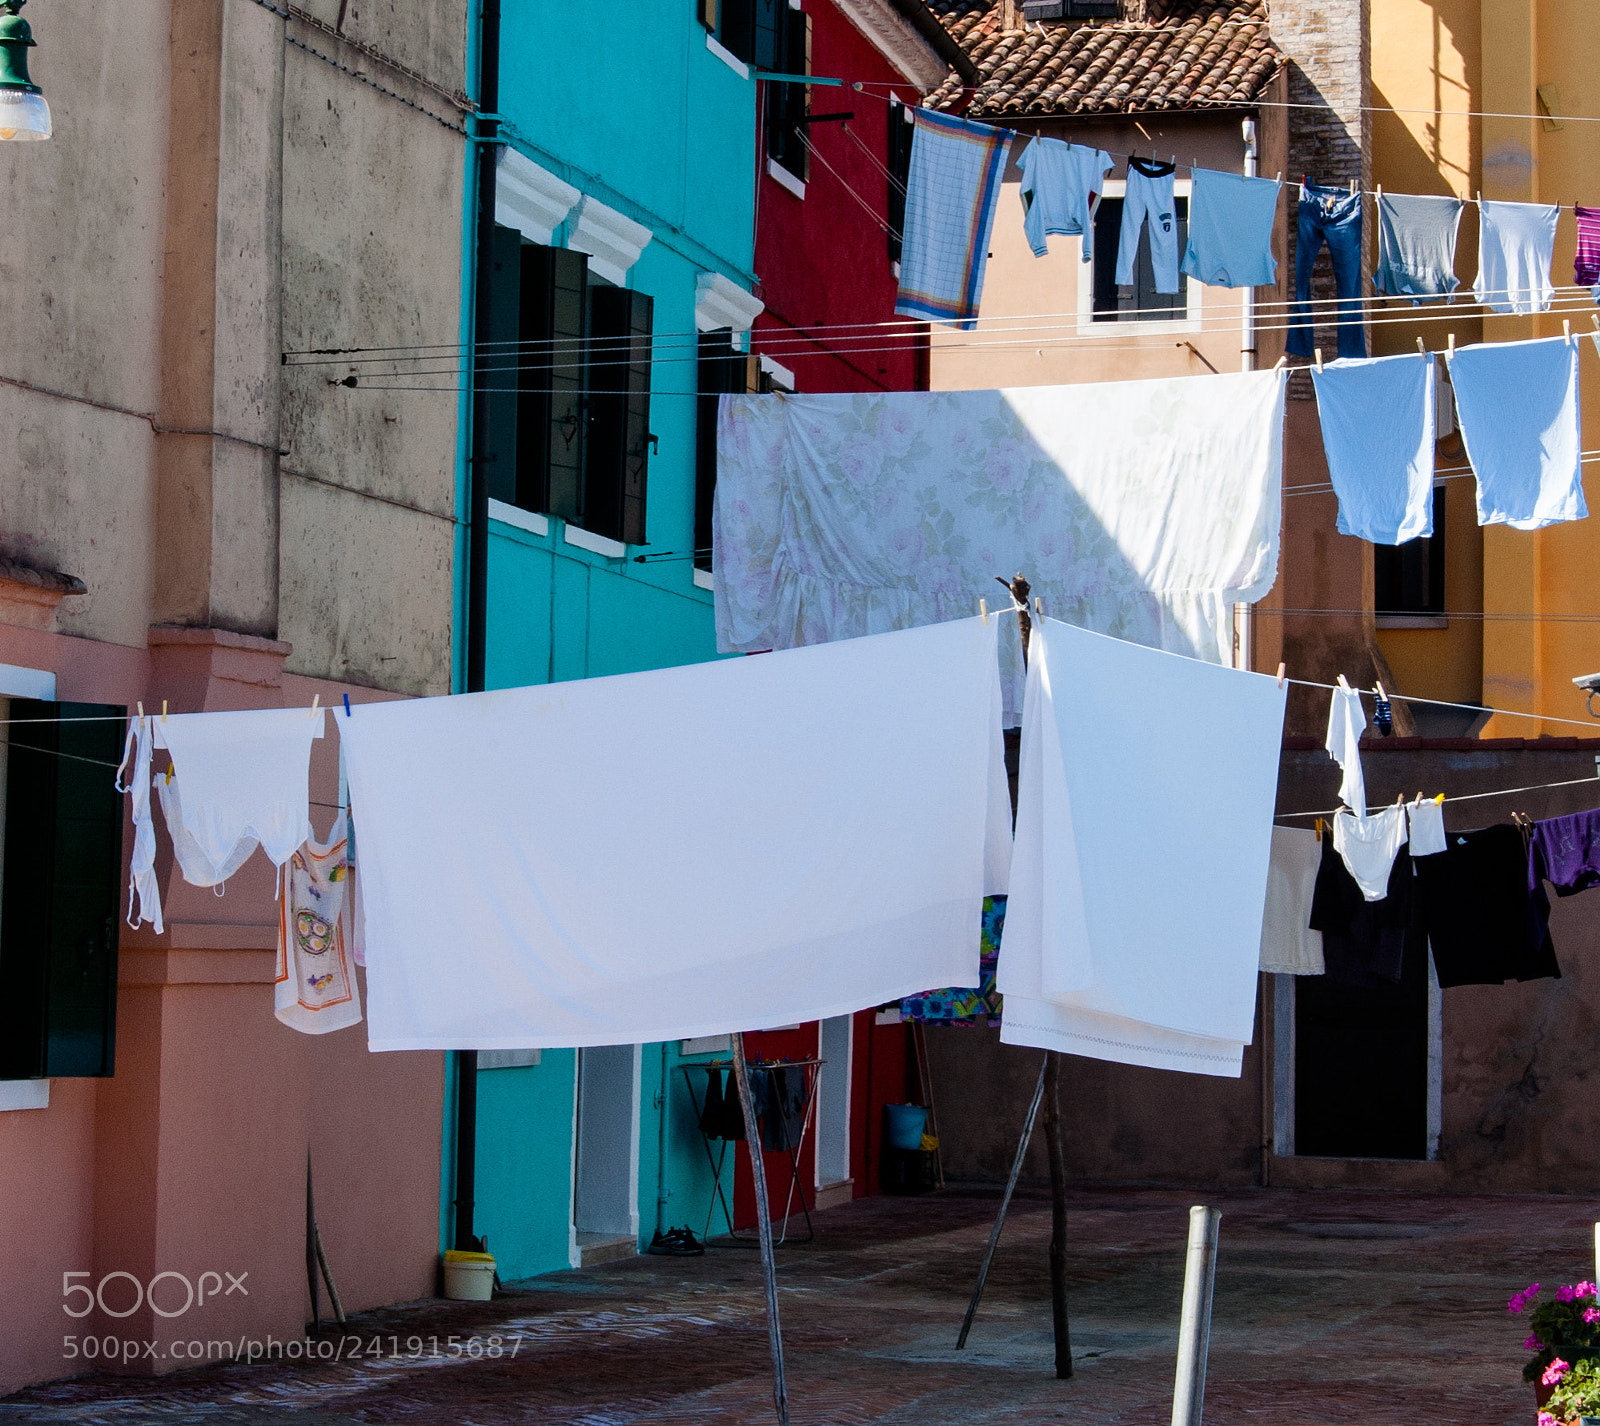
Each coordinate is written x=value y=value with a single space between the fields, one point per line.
x=62 y=891
x=636 y=421
x=569 y=280
x=497 y=359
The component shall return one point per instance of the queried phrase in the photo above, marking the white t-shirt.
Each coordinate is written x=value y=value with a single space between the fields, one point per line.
x=1060 y=184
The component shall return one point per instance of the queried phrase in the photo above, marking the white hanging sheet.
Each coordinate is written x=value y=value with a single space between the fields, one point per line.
x=246 y=779
x=1123 y=942
x=685 y=852
x=144 y=887
x=1143 y=509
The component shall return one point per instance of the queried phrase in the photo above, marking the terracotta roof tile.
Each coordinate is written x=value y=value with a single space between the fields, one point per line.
x=1188 y=53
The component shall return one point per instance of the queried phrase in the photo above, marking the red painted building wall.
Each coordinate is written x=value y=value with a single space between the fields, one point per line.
x=823 y=260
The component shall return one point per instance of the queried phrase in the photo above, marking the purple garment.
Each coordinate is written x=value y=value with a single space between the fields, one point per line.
x=1565 y=851
x=1588 y=259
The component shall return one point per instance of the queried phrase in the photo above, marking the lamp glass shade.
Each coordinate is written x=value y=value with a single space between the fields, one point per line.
x=23 y=115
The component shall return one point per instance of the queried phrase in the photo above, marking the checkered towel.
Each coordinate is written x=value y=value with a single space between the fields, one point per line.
x=951 y=195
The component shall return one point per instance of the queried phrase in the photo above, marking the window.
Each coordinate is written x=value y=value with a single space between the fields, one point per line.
x=62 y=872
x=1141 y=302
x=723 y=370
x=1408 y=579
x=751 y=30
x=567 y=378
x=900 y=129
x=789 y=104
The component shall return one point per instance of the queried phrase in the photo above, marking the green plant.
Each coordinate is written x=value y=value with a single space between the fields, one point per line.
x=1577 y=1391
x=1565 y=1329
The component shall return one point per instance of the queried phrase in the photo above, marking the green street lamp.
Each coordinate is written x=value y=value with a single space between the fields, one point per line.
x=23 y=112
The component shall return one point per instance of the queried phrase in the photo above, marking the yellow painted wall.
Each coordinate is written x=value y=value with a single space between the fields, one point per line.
x=1433 y=59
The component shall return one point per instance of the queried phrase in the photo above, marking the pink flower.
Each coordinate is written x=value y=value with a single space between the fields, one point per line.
x=1566 y=1294
x=1519 y=1300
x=1583 y=1289
x=1533 y=1344
x=1554 y=1372
x=1591 y=1314
x=1546 y=1419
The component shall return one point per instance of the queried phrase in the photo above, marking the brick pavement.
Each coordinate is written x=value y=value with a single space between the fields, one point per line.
x=1330 y=1307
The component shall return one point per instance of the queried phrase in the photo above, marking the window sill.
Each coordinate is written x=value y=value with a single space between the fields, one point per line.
x=517 y=517
x=702 y=579
x=1412 y=621
x=784 y=179
x=595 y=544
x=24 y=1094
x=728 y=57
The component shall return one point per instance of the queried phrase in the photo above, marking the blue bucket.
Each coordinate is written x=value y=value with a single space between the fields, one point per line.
x=905 y=1125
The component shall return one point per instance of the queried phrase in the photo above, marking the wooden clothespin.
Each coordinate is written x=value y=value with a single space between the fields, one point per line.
x=1380 y=192
x=1353 y=183
x=1480 y=198
x=1595 y=318
x=1566 y=330
x=1319 y=829
x=1038 y=606
x=314 y=702
x=1319 y=359
x=1279 y=178
x=1283 y=670
x=163 y=710
x=1450 y=350
x=1343 y=683
x=983 y=610
x=140 y=707
x=1281 y=362
x=1422 y=346
x=1381 y=693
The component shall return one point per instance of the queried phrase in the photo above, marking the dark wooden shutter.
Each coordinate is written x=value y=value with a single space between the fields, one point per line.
x=721 y=370
x=62 y=892
x=708 y=14
x=569 y=279
x=769 y=33
x=900 y=128
x=636 y=417
x=736 y=27
x=497 y=359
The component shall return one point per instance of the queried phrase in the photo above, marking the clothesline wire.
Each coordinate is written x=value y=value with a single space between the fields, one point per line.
x=871 y=212
x=1070 y=333
x=1467 y=615
x=1448 y=472
x=1377 y=308
x=1465 y=797
x=1442 y=703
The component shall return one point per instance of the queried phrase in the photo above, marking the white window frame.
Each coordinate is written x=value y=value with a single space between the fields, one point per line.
x=1087 y=326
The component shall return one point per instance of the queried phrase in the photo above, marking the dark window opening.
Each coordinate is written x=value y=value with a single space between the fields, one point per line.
x=722 y=370
x=789 y=104
x=750 y=30
x=62 y=890
x=565 y=378
x=900 y=129
x=1409 y=578
x=1141 y=302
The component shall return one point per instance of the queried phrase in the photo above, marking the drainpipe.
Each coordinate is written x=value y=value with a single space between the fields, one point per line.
x=485 y=153
x=1244 y=614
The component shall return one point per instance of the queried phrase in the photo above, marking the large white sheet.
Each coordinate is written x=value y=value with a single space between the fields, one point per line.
x=686 y=852
x=1144 y=835
x=1143 y=509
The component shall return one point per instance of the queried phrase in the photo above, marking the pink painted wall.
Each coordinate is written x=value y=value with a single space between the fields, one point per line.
x=192 y=1158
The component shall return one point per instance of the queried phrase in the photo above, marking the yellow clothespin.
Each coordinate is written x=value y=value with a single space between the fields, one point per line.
x=314 y=702
x=1283 y=670
x=1319 y=359
x=983 y=610
x=1319 y=829
x=1439 y=799
x=163 y=710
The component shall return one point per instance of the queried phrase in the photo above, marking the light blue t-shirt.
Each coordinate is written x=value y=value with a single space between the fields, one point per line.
x=1059 y=184
x=1230 y=229
x=1518 y=406
x=1377 y=431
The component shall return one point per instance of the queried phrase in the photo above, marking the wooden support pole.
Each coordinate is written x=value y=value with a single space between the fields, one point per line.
x=769 y=1266
x=1056 y=1150
x=311 y=1254
x=1194 y=1328
x=1005 y=1203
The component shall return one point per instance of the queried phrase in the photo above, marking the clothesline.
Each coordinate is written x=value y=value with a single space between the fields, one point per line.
x=1449 y=472
x=1468 y=615
x=1465 y=797
x=1441 y=703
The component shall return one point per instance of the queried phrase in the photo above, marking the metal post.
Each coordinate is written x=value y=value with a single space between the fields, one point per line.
x=1005 y=1203
x=1194 y=1330
x=769 y=1266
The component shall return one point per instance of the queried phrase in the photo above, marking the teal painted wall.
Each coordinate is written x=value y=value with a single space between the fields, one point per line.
x=640 y=115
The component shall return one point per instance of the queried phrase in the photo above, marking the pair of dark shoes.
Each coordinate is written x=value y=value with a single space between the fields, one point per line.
x=676 y=1243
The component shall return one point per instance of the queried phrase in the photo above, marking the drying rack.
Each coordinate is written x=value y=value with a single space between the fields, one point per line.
x=718 y=1159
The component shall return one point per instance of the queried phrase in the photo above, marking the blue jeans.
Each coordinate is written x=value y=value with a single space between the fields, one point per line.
x=1332 y=215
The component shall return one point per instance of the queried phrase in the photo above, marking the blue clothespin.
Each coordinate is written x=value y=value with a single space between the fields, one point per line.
x=347 y=705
